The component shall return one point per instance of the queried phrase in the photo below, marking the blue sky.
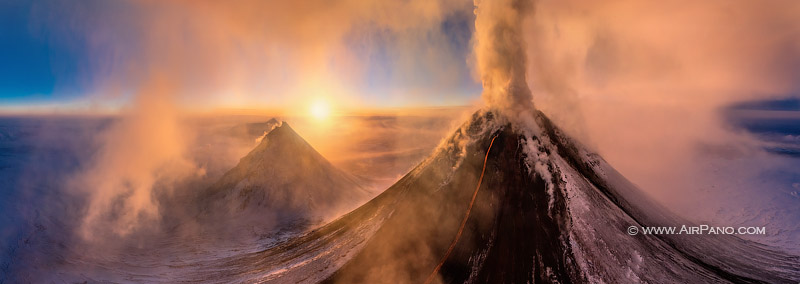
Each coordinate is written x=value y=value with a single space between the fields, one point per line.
x=28 y=60
x=36 y=67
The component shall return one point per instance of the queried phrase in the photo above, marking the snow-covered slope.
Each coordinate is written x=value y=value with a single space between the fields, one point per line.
x=547 y=211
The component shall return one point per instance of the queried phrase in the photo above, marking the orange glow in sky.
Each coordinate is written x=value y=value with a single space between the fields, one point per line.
x=320 y=109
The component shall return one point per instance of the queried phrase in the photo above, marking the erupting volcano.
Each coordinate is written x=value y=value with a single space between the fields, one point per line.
x=161 y=173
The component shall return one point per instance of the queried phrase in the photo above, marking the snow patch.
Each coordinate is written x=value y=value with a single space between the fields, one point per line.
x=538 y=162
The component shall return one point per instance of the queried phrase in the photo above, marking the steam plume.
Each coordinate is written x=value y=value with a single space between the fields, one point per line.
x=143 y=151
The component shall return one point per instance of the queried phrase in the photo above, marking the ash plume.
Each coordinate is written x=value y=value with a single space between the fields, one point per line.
x=500 y=53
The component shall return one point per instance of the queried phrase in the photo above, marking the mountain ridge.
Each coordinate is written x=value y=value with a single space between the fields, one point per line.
x=285 y=174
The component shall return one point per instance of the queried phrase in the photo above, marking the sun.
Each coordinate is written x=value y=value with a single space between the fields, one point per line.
x=320 y=109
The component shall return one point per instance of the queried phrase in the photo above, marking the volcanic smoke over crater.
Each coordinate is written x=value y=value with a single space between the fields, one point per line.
x=500 y=53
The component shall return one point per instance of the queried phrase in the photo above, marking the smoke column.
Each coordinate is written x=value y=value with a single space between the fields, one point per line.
x=500 y=53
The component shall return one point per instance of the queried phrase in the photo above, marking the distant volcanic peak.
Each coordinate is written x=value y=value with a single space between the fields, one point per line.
x=270 y=124
x=285 y=175
x=254 y=129
x=275 y=121
x=283 y=156
x=283 y=132
x=267 y=126
x=283 y=142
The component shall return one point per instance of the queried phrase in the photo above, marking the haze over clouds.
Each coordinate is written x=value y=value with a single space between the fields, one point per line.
x=644 y=82
x=273 y=53
x=240 y=135
x=176 y=55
